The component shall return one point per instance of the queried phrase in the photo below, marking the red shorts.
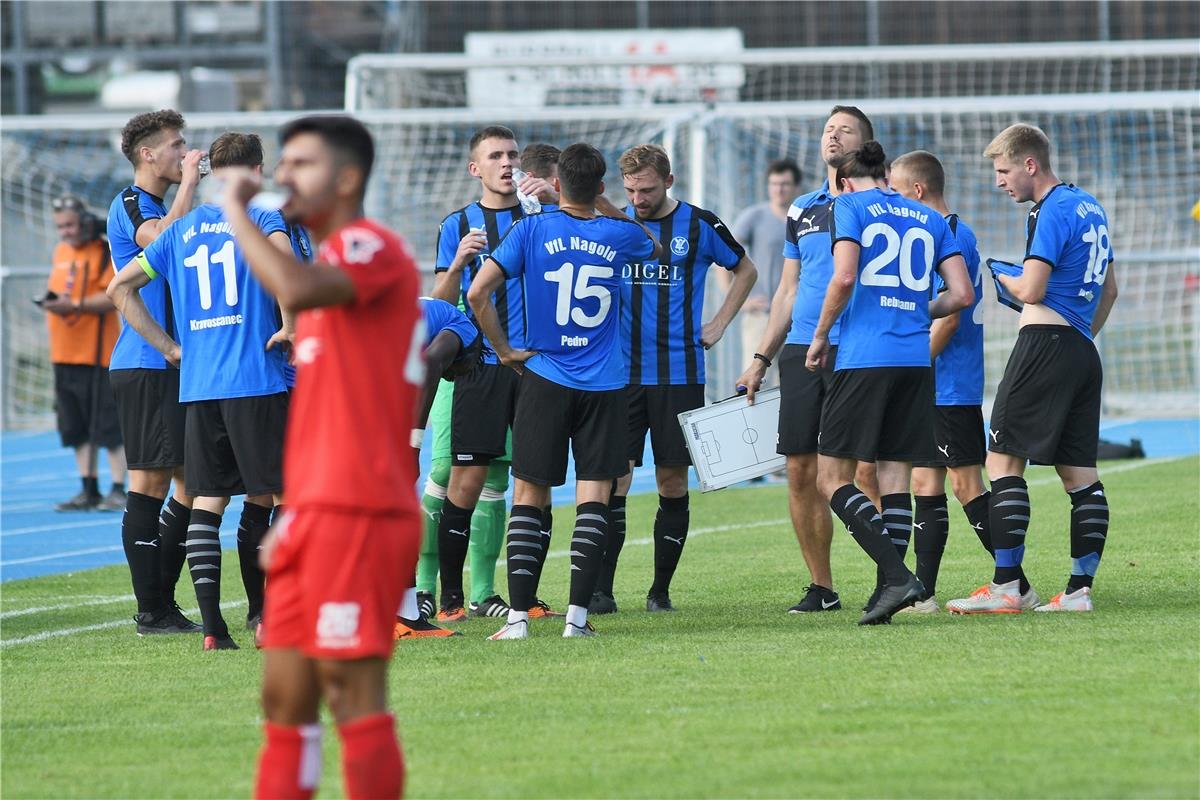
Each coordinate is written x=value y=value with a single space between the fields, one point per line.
x=336 y=580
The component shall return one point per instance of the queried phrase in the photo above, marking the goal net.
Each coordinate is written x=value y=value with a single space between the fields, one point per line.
x=1139 y=153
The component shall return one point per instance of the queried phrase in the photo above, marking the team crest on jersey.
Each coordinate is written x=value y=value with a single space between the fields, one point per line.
x=679 y=245
x=337 y=625
x=359 y=246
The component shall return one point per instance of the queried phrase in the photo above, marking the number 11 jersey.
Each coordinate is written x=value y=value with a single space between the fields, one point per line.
x=223 y=315
x=570 y=270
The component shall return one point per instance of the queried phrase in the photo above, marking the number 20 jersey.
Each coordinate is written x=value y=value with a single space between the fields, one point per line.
x=886 y=323
x=222 y=313
x=1068 y=229
x=570 y=270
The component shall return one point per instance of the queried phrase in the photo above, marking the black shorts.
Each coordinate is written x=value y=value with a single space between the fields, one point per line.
x=152 y=420
x=485 y=400
x=656 y=409
x=801 y=396
x=550 y=417
x=958 y=437
x=1047 y=408
x=235 y=446
x=84 y=404
x=879 y=414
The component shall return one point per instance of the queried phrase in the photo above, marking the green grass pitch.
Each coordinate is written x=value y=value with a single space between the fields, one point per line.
x=729 y=697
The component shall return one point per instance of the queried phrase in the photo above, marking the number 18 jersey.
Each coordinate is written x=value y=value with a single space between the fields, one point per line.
x=1068 y=229
x=886 y=323
x=570 y=269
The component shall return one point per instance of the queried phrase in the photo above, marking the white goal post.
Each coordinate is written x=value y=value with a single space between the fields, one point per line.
x=441 y=80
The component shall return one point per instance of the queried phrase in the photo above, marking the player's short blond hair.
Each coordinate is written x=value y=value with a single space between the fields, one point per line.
x=921 y=166
x=1021 y=141
x=643 y=156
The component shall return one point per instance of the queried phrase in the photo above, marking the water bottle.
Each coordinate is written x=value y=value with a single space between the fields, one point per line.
x=529 y=205
x=205 y=166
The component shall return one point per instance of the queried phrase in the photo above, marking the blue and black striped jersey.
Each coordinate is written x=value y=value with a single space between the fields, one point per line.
x=663 y=309
x=809 y=221
x=132 y=207
x=495 y=222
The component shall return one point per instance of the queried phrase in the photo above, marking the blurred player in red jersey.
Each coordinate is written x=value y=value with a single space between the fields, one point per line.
x=338 y=562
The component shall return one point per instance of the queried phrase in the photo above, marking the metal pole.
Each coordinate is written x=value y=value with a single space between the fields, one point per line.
x=275 y=93
x=872 y=41
x=643 y=13
x=20 y=76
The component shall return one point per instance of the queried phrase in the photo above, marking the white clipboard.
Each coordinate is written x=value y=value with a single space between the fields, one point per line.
x=733 y=441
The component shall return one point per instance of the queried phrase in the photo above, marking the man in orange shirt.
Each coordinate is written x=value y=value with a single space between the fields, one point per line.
x=83 y=328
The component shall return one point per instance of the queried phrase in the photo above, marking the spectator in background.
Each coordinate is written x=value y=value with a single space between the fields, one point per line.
x=761 y=228
x=83 y=328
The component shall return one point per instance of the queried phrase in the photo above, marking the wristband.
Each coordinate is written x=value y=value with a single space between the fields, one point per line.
x=416 y=437
x=763 y=359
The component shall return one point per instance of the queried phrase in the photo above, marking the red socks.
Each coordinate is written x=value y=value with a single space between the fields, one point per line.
x=289 y=766
x=372 y=766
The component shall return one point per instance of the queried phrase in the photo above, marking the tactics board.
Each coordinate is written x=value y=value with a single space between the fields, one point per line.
x=732 y=441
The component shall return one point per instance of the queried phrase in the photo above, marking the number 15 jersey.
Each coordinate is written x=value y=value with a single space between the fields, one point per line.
x=570 y=269
x=886 y=323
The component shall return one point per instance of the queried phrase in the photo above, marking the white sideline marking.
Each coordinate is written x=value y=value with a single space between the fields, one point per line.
x=100 y=601
x=89 y=551
x=44 y=635
x=111 y=518
x=37 y=637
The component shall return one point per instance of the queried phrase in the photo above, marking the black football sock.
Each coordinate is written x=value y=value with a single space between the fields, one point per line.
x=1089 y=530
x=612 y=548
x=277 y=513
x=863 y=520
x=547 y=531
x=139 y=536
x=91 y=485
x=587 y=551
x=978 y=516
x=117 y=486
x=1008 y=515
x=204 y=564
x=251 y=530
x=898 y=520
x=172 y=537
x=524 y=556
x=931 y=528
x=454 y=534
x=670 y=534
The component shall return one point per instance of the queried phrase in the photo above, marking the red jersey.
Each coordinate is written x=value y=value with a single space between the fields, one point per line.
x=359 y=368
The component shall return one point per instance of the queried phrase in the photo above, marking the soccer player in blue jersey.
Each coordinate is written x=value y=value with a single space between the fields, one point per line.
x=146 y=388
x=665 y=337
x=1047 y=408
x=880 y=402
x=795 y=308
x=956 y=345
x=485 y=399
x=453 y=347
x=572 y=377
x=231 y=379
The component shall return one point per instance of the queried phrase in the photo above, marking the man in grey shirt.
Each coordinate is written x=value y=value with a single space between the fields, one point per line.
x=760 y=229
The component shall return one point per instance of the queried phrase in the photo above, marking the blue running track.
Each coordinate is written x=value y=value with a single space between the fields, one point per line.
x=35 y=473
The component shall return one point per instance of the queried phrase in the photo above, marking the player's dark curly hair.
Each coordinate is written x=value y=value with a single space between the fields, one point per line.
x=145 y=126
x=868 y=161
